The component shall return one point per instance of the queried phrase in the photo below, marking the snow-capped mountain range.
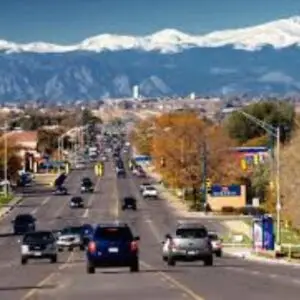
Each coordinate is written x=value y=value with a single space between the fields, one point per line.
x=279 y=34
x=262 y=59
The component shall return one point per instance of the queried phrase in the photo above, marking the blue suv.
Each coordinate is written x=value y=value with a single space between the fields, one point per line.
x=112 y=245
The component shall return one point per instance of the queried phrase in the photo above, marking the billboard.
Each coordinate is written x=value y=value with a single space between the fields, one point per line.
x=233 y=190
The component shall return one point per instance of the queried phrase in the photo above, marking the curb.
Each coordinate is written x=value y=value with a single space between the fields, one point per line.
x=10 y=206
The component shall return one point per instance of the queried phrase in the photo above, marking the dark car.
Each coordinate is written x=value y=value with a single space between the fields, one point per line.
x=61 y=191
x=129 y=202
x=113 y=245
x=87 y=185
x=76 y=202
x=39 y=245
x=23 y=223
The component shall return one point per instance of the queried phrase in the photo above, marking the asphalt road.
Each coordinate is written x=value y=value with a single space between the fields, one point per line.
x=229 y=278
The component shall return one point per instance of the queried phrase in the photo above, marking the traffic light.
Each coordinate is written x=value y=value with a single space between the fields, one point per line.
x=243 y=164
x=208 y=185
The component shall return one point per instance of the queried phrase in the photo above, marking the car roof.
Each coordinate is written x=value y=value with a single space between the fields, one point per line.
x=190 y=225
x=112 y=224
x=38 y=232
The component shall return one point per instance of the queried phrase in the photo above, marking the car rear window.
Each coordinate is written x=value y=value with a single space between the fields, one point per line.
x=113 y=233
x=24 y=218
x=39 y=237
x=213 y=237
x=191 y=233
x=72 y=230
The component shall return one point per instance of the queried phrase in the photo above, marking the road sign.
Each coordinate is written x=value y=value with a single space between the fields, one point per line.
x=226 y=191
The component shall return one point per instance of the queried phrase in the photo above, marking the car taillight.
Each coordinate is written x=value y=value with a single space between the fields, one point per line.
x=134 y=246
x=92 y=247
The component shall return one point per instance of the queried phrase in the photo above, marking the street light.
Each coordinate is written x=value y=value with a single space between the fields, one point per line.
x=275 y=132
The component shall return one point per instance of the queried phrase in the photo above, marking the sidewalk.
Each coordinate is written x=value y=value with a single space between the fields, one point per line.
x=5 y=209
x=235 y=224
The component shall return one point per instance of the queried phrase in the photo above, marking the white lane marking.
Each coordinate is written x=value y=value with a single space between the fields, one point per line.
x=47 y=279
x=91 y=200
x=42 y=204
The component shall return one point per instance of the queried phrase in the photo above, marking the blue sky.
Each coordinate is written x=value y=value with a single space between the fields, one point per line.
x=70 y=21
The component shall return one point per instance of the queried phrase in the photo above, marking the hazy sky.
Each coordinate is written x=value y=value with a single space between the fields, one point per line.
x=70 y=21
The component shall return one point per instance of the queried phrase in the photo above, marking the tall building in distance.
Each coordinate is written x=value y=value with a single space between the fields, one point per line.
x=135 y=92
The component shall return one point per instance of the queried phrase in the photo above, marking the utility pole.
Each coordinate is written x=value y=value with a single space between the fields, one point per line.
x=204 y=171
x=5 y=159
x=278 y=202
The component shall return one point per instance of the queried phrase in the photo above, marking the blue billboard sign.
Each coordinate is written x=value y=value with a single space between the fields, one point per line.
x=226 y=191
x=142 y=158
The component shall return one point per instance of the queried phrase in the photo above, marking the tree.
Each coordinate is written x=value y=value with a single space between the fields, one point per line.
x=48 y=140
x=277 y=113
x=14 y=162
x=290 y=179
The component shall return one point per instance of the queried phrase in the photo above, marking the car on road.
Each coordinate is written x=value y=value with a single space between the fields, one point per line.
x=190 y=242
x=61 y=191
x=129 y=202
x=77 y=202
x=70 y=237
x=79 y=166
x=150 y=192
x=38 y=245
x=87 y=185
x=113 y=245
x=23 y=223
x=143 y=186
x=216 y=242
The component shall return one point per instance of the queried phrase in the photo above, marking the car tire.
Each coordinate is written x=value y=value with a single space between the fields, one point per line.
x=60 y=249
x=53 y=259
x=81 y=247
x=134 y=208
x=171 y=261
x=70 y=249
x=90 y=269
x=135 y=267
x=209 y=261
x=123 y=207
x=219 y=253
x=24 y=260
x=165 y=259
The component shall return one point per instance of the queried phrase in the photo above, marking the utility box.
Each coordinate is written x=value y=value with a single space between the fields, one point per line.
x=263 y=233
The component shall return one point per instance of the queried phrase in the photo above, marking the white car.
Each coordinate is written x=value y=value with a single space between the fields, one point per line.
x=216 y=243
x=70 y=237
x=143 y=186
x=149 y=192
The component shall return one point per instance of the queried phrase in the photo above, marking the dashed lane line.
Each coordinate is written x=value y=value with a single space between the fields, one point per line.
x=47 y=279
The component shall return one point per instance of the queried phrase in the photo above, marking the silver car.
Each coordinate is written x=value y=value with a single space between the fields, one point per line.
x=70 y=238
x=190 y=242
x=38 y=245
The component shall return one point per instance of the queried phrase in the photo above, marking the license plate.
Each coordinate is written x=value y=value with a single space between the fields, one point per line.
x=37 y=253
x=191 y=252
x=113 y=250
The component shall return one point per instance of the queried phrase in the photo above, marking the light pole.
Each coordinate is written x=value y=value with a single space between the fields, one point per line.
x=275 y=132
x=5 y=159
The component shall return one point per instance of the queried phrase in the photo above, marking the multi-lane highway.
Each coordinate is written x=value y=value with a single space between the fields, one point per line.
x=229 y=278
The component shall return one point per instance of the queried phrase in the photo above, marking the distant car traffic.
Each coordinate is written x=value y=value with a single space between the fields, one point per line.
x=129 y=202
x=189 y=243
x=23 y=223
x=87 y=185
x=76 y=202
x=113 y=245
x=38 y=245
x=149 y=192
x=61 y=191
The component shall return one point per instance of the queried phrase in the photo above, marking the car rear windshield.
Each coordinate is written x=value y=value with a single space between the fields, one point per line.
x=191 y=233
x=72 y=230
x=113 y=233
x=213 y=237
x=24 y=218
x=39 y=237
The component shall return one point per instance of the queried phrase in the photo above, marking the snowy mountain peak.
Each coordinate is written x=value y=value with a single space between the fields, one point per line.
x=279 y=34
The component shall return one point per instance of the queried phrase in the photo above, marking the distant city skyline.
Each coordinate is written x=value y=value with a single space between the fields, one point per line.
x=70 y=21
